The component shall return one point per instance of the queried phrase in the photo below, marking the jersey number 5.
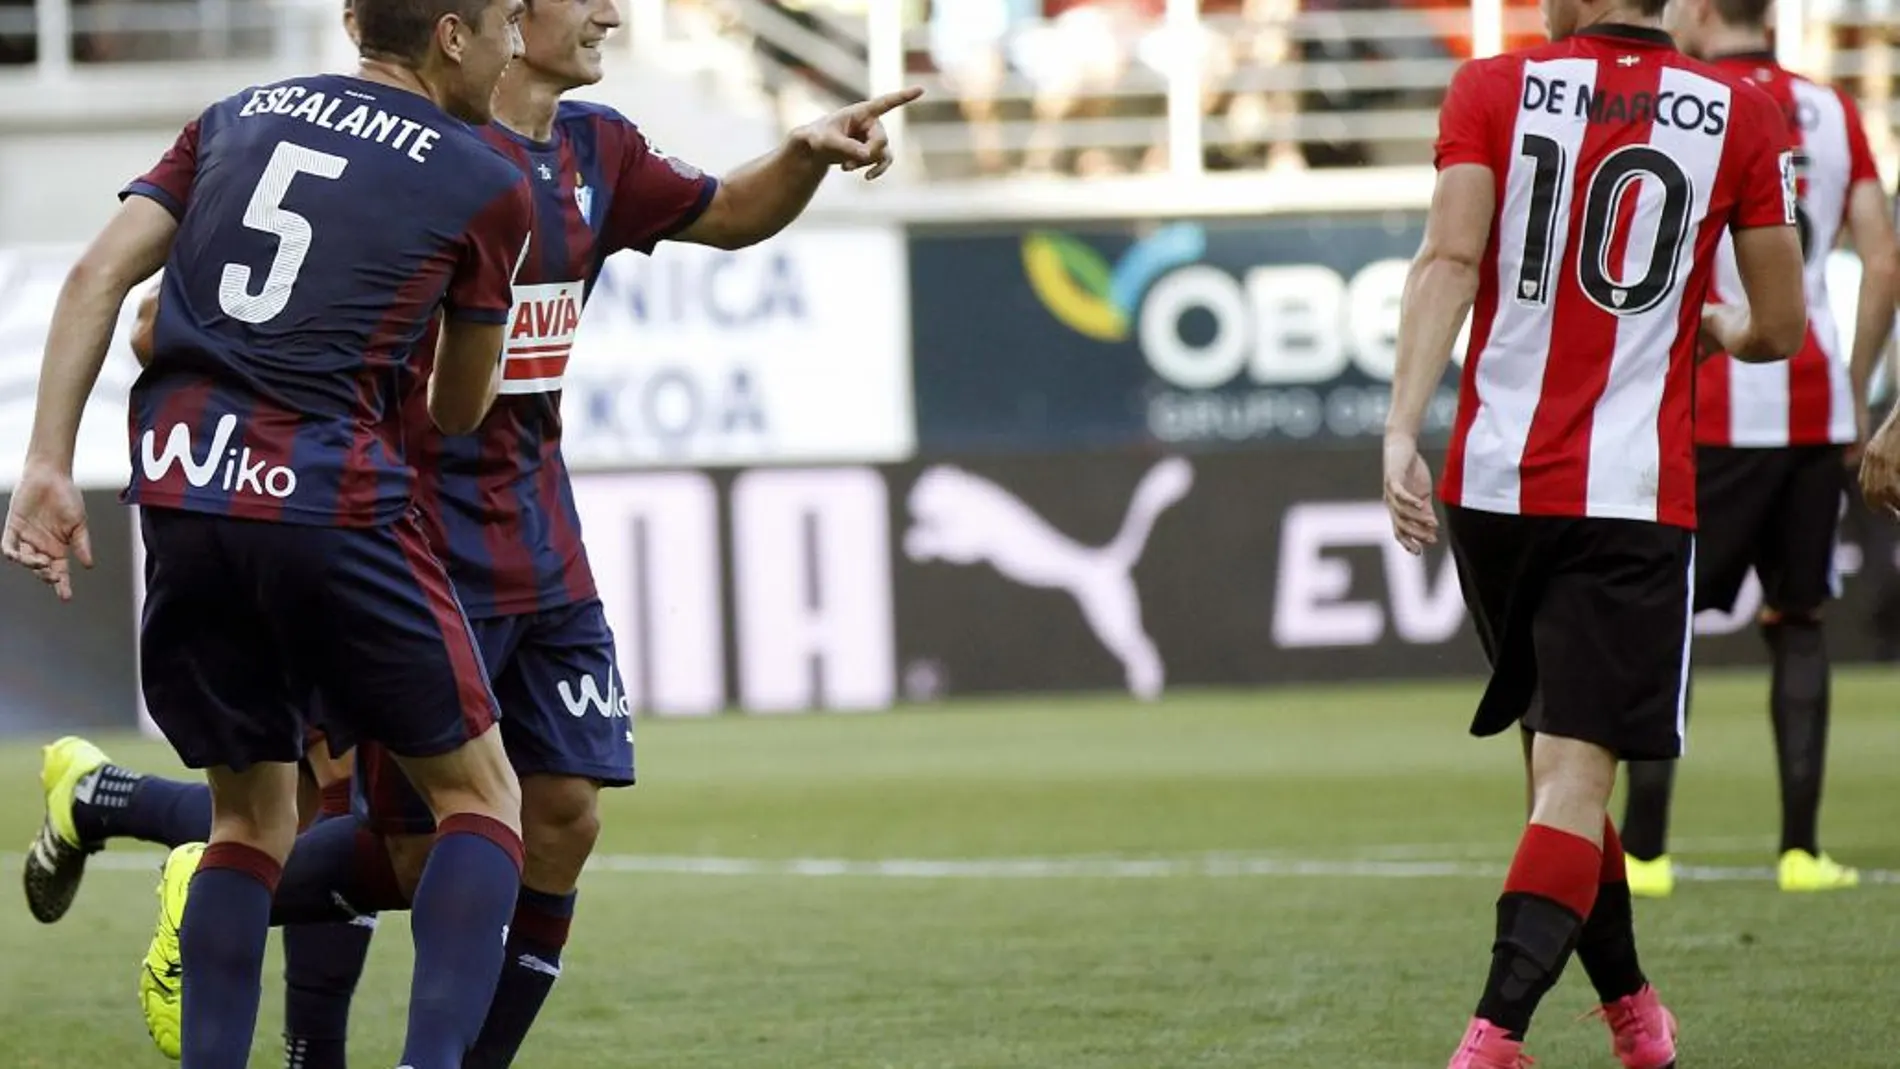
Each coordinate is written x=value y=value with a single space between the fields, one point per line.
x=266 y=212
x=1616 y=179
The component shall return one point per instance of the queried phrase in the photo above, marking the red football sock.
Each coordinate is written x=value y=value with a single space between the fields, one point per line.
x=1612 y=870
x=1557 y=865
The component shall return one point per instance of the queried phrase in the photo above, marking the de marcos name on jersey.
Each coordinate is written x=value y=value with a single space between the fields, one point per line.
x=1682 y=111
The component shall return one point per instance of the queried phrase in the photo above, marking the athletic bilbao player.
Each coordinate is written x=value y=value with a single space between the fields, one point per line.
x=311 y=231
x=1771 y=445
x=1583 y=186
x=508 y=529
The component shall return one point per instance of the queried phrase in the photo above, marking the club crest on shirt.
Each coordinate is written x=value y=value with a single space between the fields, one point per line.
x=584 y=199
x=680 y=167
x=1790 y=188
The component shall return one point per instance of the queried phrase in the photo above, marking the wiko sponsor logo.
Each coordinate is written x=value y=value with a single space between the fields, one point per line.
x=234 y=470
x=587 y=696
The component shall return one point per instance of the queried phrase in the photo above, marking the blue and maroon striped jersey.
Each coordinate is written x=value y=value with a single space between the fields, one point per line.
x=501 y=498
x=323 y=222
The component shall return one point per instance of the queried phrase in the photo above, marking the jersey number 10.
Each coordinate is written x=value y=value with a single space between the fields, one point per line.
x=266 y=212
x=1615 y=179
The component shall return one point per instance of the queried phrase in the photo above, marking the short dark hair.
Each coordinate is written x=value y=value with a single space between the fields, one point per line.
x=1749 y=13
x=1651 y=8
x=402 y=29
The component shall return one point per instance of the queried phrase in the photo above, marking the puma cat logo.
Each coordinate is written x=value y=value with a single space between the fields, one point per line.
x=960 y=518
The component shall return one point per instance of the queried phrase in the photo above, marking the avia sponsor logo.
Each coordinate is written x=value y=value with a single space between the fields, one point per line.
x=540 y=337
x=1288 y=350
x=586 y=696
x=231 y=469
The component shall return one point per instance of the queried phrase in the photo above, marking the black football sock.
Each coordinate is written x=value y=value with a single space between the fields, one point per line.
x=1550 y=888
x=1798 y=704
x=1606 y=947
x=1535 y=938
x=1649 y=786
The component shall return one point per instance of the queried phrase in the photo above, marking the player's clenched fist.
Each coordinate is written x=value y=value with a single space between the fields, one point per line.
x=853 y=138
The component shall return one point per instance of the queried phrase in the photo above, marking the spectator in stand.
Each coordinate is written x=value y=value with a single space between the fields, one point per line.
x=1077 y=60
x=966 y=45
x=1250 y=34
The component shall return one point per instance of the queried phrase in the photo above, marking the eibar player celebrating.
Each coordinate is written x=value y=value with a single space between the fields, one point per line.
x=1582 y=188
x=313 y=233
x=1771 y=444
x=501 y=514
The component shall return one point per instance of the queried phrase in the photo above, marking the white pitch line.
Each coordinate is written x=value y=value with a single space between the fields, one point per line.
x=1492 y=850
x=1047 y=868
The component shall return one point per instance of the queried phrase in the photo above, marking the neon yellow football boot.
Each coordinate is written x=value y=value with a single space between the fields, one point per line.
x=161 y=986
x=1802 y=871
x=1655 y=878
x=56 y=863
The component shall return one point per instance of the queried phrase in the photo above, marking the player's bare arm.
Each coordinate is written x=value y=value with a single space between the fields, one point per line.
x=761 y=198
x=467 y=374
x=1439 y=290
x=46 y=523
x=1880 y=467
x=474 y=318
x=144 y=320
x=1872 y=231
x=1774 y=322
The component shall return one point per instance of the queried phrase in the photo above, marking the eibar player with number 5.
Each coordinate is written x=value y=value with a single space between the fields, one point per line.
x=499 y=510
x=311 y=231
x=1582 y=188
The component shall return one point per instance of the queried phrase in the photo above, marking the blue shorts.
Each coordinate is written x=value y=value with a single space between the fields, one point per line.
x=564 y=712
x=246 y=622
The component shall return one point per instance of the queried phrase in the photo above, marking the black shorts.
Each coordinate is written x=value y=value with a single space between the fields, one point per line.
x=1775 y=510
x=1585 y=623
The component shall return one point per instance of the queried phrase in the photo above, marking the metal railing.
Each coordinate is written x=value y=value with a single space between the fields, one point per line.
x=1206 y=85
x=1203 y=85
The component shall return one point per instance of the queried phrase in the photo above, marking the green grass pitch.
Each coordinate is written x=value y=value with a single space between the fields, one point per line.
x=1290 y=879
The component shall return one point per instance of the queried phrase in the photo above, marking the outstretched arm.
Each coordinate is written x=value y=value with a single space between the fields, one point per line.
x=761 y=198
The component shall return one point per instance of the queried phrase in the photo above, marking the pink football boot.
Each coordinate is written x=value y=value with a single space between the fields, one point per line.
x=1642 y=1031
x=1485 y=1046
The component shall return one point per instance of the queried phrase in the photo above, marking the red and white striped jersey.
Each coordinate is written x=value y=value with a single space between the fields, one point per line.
x=1805 y=400
x=1619 y=164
